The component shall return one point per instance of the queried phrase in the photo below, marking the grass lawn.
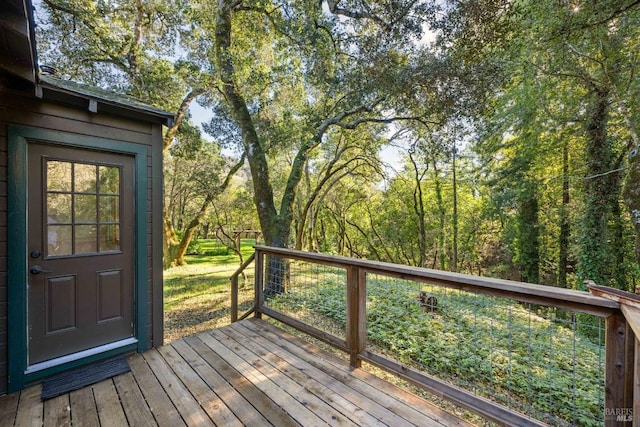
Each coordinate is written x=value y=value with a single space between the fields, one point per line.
x=197 y=296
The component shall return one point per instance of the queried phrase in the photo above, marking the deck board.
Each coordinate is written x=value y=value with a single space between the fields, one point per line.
x=251 y=394
x=301 y=389
x=57 y=412
x=8 y=409
x=215 y=408
x=296 y=409
x=83 y=408
x=248 y=373
x=135 y=407
x=110 y=410
x=164 y=412
x=189 y=409
x=359 y=409
x=247 y=414
x=30 y=408
x=414 y=407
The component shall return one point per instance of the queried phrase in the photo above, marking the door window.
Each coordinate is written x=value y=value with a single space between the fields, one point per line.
x=82 y=208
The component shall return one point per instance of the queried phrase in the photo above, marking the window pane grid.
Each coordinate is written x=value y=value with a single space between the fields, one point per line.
x=83 y=208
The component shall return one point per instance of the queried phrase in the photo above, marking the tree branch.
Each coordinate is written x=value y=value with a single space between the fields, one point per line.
x=180 y=115
x=234 y=169
x=111 y=57
x=355 y=14
x=613 y=15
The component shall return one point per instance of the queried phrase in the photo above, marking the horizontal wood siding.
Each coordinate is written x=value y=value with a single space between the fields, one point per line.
x=27 y=110
x=3 y=251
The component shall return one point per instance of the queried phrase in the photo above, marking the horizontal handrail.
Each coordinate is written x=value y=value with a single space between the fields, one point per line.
x=523 y=292
x=244 y=265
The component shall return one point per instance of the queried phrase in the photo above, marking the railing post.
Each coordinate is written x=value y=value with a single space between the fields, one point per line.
x=259 y=284
x=234 y=298
x=636 y=383
x=617 y=396
x=356 y=313
x=234 y=287
x=630 y=349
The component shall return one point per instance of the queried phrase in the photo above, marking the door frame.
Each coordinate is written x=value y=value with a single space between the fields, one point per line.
x=18 y=140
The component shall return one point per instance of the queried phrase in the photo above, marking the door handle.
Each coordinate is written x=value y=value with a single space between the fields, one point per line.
x=36 y=269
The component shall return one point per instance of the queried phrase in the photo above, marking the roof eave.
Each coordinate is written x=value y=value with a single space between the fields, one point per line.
x=95 y=104
x=17 y=40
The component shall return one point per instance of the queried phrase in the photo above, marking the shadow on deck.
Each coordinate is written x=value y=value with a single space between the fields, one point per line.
x=247 y=373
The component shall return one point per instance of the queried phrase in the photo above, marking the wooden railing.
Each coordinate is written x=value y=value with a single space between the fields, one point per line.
x=621 y=346
x=235 y=287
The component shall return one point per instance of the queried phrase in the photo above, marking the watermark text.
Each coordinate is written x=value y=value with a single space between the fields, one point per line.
x=622 y=415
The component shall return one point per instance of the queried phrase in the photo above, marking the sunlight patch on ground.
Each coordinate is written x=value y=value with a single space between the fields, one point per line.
x=197 y=296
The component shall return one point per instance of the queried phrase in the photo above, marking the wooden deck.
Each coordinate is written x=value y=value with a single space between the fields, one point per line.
x=248 y=373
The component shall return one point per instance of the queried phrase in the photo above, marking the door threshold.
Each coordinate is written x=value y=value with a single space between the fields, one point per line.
x=47 y=364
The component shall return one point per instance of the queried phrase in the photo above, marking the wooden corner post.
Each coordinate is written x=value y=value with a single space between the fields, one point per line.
x=356 y=313
x=618 y=379
x=259 y=284
x=636 y=383
x=234 y=298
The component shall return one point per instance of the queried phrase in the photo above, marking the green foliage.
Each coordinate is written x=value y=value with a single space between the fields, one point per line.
x=214 y=248
x=195 y=248
x=505 y=85
x=563 y=67
x=543 y=362
x=118 y=45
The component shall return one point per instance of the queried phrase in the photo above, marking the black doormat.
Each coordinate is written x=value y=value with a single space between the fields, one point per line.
x=83 y=376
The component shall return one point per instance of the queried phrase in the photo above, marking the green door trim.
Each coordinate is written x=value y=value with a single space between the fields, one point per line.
x=19 y=136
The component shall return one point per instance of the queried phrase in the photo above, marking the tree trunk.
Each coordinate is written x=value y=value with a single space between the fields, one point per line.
x=418 y=208
x=181 y=250
x=276 y=227
x=301 y=224
x=441 y=250
x=631 y=189
x=275 y=224
x=529 y=236
x=565 y=227
x=274 y=234
x=454 y=255
x=594 y=234
x=171 y=241
x=617 y=260
x=631 y=194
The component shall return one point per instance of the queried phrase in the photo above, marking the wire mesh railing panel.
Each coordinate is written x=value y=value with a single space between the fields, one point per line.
x=311 y=293
x=547 y=363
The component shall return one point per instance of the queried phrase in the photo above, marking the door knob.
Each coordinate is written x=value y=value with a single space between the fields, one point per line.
x=36 y=269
